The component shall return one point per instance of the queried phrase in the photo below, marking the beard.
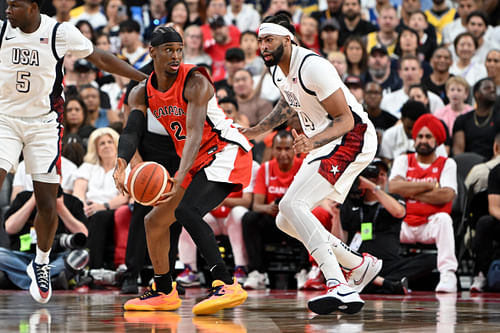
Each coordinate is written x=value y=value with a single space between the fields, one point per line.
x=277 y=55
x=424 y=149
x=377 y=73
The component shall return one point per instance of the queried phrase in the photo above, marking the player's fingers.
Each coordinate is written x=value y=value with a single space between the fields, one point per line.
x=294 y=133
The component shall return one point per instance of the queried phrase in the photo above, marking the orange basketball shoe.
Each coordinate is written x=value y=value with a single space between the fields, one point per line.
x=153 y=300
x=221 y=296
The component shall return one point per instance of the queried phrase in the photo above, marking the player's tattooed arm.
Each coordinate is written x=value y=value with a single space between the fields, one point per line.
x=280 y=113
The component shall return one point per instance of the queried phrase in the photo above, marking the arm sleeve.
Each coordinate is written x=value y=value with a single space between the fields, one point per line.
x=70 y=39
x=131 y=135
x=449 y=175
x=319 y=75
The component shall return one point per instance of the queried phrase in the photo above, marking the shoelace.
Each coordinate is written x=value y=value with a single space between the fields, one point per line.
x=214 y=291
x=148 y=294
x=43 y=274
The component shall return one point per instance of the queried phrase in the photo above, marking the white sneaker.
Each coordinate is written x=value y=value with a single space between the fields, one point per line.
x=255 y=280
x=360 y=276
x=301 y=278
x=447 y=283
x=339 y=297
x=478 y=283
x=40 y=287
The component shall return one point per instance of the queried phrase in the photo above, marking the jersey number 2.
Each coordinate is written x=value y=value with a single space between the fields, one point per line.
x=177 y=127
x=22 y=82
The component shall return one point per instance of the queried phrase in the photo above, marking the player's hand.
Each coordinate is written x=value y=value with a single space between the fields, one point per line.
x=119 y=176
x=272 y=209
x=250 y=133
x=301 y=143
x=168 y=196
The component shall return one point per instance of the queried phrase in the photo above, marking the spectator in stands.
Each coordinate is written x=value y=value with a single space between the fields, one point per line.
x=410 y=71
x=224 y=220
x=63 y=8
x=249 y=102
x=428 y=183
x=242 y=15
x=217 y=40
x=116 y=13
x=453 y=29
x=478 y=175
x=259 y=226
x=487 y=231
x=329 y=36
x=440 y=15
x=493 y=67
x=156 y=15
x=98 y=116
x=76 y=119
x=355 y=87
x=387 y=35
x=250 y=45
x=193 y=47
x=339 y=61
x=93 y=13
x=408 y=44
x=457 y=92
x=398 y=140
x=476 y=130
x=381 y=119
x=308 y=33
x=440 y=62
x=197 y=11
x=418 y=92
x=477 y=26
x=406 y=9
x=356 y=56
x=230 y=108
x=178 y=13
x=86 y=29
x=19 y=221
x=334 y=10
x=94 y=186
x=234 y=60
x=352 y=24
x=418 y=22
x=132 y=47
x=381 y=71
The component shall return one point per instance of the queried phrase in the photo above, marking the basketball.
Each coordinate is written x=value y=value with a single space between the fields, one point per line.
x=147 y=181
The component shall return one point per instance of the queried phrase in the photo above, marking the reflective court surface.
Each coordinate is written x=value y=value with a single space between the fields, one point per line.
x=264 y=311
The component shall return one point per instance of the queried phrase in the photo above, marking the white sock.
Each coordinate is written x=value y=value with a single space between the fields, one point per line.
x=41 y=256
x=327 y=262
x=346 y=257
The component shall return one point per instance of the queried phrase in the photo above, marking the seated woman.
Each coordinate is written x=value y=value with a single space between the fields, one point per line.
x=76 y=120
x=94 y=186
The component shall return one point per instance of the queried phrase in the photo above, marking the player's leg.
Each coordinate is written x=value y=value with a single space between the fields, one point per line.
x=10 y=147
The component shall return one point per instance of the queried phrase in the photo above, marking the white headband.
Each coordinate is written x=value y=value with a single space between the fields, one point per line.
x=274 y=29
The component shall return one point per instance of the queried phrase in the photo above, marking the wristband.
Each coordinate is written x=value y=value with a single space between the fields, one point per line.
x=376 y=189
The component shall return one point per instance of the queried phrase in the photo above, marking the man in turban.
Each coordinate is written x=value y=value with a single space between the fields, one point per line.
x=428 y=183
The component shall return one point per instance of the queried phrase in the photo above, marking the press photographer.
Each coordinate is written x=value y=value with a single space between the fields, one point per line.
x=71 y=233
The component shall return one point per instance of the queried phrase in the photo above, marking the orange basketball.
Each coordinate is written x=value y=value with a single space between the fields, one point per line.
x=147 y=181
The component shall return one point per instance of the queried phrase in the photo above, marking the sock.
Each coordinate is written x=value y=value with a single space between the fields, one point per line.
x=388 y=285
x=347 y=257
x=327 y=262
x=220 y=272
x=41 y=256
x=163 y=283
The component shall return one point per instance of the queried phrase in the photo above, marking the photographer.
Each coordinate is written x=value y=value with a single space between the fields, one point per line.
x=372 y=219
x=19 y=224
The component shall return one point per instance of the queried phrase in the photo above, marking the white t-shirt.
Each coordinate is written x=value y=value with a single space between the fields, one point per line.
x=68 y=168
x=448 y=175
x=247 y=19
x=101 y=186
x=472 y=73
x=392 y=102
x=96 y=20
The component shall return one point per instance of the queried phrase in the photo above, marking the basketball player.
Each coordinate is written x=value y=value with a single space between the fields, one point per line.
x=340 y=142
x=215 y=160
x=32 y=49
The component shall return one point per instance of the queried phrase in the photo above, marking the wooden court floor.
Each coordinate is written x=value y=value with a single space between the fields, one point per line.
x=264 y=311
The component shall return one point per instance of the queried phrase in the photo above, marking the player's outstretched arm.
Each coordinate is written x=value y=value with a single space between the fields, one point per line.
x=131 y=135
x=198 y=92
x=280 y=113
x=110 y=63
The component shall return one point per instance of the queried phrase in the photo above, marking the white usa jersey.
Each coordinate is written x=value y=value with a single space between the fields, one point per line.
x=31 y=66
x=310 y=80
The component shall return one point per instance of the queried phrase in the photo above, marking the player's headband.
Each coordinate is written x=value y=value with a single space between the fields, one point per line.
x=163 y=35
x=274 y=29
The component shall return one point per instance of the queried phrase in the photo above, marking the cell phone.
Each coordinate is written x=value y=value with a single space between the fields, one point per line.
x=122 y=10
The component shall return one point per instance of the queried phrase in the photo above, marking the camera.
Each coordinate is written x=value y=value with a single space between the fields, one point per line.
x=371 y=171
x=70 y=241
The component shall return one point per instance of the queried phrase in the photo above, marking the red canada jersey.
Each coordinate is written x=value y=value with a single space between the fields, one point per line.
x=417 y=212
x=273 y=182
x=170 y=108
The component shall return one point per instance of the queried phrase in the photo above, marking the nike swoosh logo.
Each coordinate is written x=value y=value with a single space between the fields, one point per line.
x=9 y=38
x=357 y=282
x=355 y=208
x=349 y=293
x=279 y=80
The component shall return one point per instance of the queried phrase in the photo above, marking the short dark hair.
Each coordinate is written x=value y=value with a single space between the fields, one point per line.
x=229 y=99
x=464 y=34
x=478 y=84
x=282 y=134
x=479 y=14
x=130 y=26
x=421 y=87
x=413 y=110
x=248 y=32
x=282 y=20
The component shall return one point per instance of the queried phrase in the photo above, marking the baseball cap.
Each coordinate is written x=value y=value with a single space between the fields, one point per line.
x=379 y=48
x=216 y=21
x=83 y=65
x=235 y=54
x=353 y=81
x=330 y=23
